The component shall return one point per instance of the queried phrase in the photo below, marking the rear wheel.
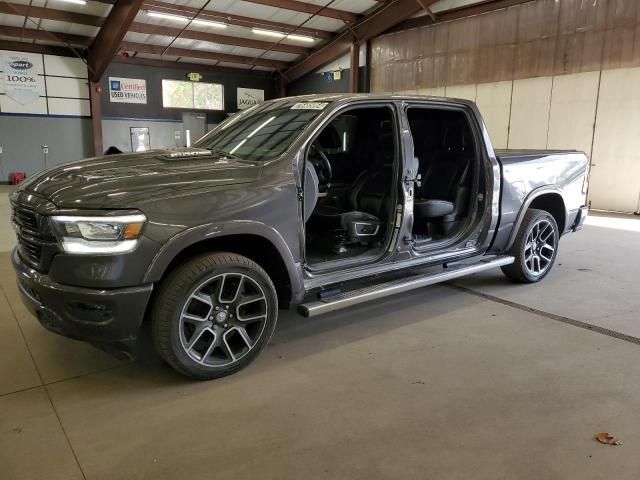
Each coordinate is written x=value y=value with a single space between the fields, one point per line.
x=535 y=248
x=213 y=315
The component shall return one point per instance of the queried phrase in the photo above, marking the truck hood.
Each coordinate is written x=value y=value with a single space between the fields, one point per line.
x=125 y=180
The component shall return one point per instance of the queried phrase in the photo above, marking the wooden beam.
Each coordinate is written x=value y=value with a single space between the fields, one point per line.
x=355 y=67
x=374 y=24
x=44 y=49
x=115 y=27
x=219 y=57
x=318 y=10
x=151 y=29
x=195 y=67
x=96 y=117
x=18 y=32
x=238 y=20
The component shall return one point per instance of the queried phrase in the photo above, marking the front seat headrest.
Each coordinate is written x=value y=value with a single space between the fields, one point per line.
x=329 y=140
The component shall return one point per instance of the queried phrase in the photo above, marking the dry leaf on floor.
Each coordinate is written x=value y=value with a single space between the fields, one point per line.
x=604 y=437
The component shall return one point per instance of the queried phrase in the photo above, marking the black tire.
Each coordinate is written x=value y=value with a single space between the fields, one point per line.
x=181 y=294
x=523 y=269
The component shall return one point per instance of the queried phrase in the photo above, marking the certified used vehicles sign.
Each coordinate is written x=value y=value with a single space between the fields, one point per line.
x=127 y=90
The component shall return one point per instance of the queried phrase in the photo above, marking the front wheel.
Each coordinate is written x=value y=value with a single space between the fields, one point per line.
x=534 y=249
x=213 y=315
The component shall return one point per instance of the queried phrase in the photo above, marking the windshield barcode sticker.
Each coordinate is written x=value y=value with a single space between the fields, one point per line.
x=309 y=106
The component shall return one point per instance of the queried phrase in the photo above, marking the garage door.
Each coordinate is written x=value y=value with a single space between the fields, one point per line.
x=615 y=170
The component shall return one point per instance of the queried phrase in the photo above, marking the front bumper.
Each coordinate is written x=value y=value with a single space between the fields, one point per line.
x=108 y=318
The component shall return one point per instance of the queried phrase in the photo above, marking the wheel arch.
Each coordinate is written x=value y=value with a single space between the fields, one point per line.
x=549 y=199
x=254 y=240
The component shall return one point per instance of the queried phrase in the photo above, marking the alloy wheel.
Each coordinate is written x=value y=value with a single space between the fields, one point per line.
x=223 y=319
x=540 y=248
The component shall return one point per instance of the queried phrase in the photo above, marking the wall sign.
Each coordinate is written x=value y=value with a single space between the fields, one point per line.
x=194 y=76
x=127 y=90
x=248 y=97
x=21 y=80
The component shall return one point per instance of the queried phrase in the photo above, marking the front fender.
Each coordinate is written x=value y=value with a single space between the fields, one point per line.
x=191 y=236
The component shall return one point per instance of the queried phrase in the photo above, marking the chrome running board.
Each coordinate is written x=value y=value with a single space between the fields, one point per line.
x=381 y=290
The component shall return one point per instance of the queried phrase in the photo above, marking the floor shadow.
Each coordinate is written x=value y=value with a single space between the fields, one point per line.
x=297 y=337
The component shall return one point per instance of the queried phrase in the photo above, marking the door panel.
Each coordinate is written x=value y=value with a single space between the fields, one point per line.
x=530 y=113
x=615 y=164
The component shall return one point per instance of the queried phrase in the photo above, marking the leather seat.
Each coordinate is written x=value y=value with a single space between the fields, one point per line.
x=368 y=201
x=368 y=197
x=444 y=191
x=432 y=208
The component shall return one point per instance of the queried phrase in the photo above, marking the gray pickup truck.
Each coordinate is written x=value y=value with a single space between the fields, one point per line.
x=314 y=203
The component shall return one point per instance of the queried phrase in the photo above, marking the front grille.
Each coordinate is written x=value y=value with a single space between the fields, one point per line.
x=36 y=242
x=25 y=218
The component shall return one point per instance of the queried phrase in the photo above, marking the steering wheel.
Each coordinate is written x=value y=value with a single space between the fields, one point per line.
x=322 y=165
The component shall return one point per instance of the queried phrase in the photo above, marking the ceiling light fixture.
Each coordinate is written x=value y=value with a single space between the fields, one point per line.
x=301 y=38
x=168 y=16
x=208 y=23
x=272 y=33
x=268 y=33
x=77 y=2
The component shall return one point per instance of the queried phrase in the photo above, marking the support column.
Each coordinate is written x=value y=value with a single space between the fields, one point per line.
x=355 y=65
x=96 y=117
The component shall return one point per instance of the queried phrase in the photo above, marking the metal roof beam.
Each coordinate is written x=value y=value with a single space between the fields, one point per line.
x=238 y=20
x=374 y=24
x=107 y=43
x=318 y=10
x=204 y=54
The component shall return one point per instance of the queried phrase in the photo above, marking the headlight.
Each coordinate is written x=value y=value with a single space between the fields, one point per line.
x=92 y=234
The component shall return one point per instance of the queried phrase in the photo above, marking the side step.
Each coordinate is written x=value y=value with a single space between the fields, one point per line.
x=381 y=290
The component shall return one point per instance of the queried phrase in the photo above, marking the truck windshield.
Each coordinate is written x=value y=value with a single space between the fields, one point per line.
x=261 y=133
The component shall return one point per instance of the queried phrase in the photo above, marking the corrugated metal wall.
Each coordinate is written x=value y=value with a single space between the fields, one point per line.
x=537 y=39
x=546 y=74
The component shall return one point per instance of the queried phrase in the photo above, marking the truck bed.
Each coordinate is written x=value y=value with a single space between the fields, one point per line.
x=507 y=154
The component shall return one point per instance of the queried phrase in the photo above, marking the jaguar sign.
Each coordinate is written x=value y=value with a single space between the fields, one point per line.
x=248 y=97
x=21 y=80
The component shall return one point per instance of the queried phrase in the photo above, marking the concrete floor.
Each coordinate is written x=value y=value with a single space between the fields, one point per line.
x=441 y=382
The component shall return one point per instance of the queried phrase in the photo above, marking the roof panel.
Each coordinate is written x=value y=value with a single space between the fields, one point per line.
x=289 y=17
x=65 y=27
x=354 y=6
x=248 y=52
x=220 y=5
x=91 y=8
x=324 y=23
x=191 y=3
x=153 y=56
x=252 y=10
x=285 y=57
x=201 y=45
x=148 y=39
x=12 y=21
